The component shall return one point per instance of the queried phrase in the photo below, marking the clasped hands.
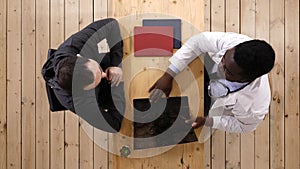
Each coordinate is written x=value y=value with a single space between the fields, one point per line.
x=114 y=75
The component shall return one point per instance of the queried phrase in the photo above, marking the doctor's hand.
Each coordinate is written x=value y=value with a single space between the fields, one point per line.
x=196 y=123
x=114 y=75
x=200 y=121
x=162 y=86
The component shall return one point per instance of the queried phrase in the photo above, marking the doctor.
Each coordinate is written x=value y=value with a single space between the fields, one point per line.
x=237 y=67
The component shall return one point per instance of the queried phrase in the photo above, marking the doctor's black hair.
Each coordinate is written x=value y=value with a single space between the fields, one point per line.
x=255 y=57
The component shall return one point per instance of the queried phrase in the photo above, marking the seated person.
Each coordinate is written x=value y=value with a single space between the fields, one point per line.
x=241 y=64
x=89 y=83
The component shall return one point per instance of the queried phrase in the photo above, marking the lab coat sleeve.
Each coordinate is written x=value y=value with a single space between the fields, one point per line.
x=213 y=42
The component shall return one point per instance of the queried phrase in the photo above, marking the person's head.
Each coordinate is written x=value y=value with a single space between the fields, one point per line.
x=248 y=61
x=85 y=73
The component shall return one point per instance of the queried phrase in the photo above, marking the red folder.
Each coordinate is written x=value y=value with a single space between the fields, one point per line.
x=175 y=23
x=153 y=41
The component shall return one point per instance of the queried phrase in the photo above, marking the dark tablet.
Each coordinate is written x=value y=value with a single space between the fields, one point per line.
x=161 y=123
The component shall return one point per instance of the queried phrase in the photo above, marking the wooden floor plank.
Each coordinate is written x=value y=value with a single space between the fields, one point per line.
x=86 y=150
x=277 y=85
x=57 y=140
x=71 y=24
x=28 y=84
x=71 y=140
x=86 y=12
x=3 y=87
x=291 y=114
x=57 y=14
x=14 y=84
x=42 y=105
x=100 y=9
x=101 y=149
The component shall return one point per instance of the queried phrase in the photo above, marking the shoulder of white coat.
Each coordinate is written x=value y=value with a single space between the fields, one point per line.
x=257 y=92
x=261 y=83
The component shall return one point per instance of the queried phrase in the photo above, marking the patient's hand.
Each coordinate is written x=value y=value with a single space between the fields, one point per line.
x=114 y=75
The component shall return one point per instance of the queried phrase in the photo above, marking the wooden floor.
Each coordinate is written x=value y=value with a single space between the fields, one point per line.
x=32 y=137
